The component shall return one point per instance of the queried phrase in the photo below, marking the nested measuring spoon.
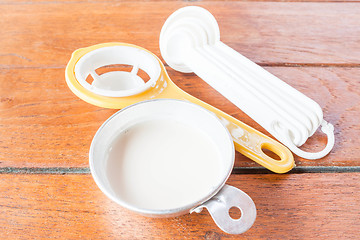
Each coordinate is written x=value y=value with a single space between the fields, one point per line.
x=119 y=89
x=190 y=42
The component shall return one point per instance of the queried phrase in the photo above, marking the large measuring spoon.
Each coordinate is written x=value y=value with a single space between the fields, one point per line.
x=119 y=89
x=190 y=42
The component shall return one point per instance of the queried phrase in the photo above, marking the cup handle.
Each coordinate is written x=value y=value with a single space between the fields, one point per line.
x=219 y=206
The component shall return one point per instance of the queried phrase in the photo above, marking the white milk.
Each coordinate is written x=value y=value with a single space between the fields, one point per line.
x=162 y=164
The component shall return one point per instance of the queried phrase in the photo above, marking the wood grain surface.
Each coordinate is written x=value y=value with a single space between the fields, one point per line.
x=8 y=2
x=268 y=33
x=314 y=45
x=43 y=124
x=297 y=206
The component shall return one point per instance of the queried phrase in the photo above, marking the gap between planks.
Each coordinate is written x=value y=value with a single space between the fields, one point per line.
x=236 y=170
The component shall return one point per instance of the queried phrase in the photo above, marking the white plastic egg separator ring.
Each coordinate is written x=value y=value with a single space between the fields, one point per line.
x=117 y=83
x=190 y=42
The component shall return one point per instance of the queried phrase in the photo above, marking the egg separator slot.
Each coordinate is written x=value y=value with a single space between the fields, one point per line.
x=120 y=89
x=190 y=42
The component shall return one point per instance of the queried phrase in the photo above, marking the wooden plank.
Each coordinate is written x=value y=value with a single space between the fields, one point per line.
x=269 y=33
x=298 y=206
x=43 y=124
x=141 y=1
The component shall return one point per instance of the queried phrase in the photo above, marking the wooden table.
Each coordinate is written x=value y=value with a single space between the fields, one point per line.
x=46 y=190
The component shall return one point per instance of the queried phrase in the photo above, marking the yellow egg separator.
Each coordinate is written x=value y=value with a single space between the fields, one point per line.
x=119 y=89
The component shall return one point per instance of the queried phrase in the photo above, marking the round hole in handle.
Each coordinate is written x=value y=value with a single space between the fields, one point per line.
x=219 y=208
x=270 y=153
x=235 y=213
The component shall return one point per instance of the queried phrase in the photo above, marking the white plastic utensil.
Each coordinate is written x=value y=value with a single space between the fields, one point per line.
x=190 y=42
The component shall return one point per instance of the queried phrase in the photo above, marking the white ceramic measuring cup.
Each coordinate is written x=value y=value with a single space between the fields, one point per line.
x=218 y=199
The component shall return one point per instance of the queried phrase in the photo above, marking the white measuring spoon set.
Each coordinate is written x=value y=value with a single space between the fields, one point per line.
x=190 y=42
